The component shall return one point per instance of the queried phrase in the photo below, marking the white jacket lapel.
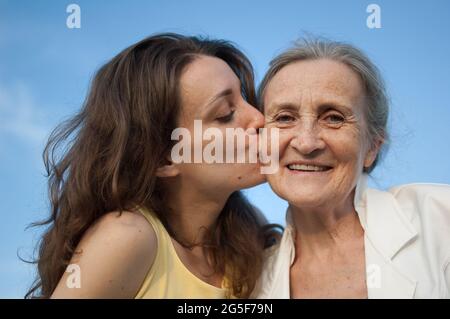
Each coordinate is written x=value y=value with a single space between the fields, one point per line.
x=387 y=231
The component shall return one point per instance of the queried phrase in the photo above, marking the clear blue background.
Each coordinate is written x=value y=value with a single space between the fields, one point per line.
x=45 y=69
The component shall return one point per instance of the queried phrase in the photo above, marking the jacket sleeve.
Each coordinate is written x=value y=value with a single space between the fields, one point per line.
x=430 y=204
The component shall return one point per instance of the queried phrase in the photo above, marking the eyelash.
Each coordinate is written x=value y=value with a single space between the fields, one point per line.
x=227 y=118
x=279 y=117
x=335 y=116
x=338 y=119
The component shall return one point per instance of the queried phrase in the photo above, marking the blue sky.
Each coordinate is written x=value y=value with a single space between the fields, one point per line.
x=45 y=69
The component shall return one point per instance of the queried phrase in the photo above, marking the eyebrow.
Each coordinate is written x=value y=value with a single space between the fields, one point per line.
x=282 y=106
x=335 y=105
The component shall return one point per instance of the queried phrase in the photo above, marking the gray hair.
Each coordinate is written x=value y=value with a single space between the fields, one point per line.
x=377 y=110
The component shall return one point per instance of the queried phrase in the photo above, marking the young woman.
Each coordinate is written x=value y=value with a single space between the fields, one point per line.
x=132 y=222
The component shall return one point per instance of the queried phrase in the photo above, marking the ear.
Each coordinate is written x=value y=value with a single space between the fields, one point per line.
x=169 y=169
x=372 y=153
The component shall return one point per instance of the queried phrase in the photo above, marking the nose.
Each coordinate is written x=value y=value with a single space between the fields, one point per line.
x=255 y=117
x=307 y=139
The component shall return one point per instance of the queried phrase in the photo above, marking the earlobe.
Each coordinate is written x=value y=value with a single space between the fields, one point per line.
x=372 y=154
x=168 y=170
x=370 y=158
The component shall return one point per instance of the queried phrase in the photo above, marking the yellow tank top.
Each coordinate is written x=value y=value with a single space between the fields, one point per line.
x=168 y=277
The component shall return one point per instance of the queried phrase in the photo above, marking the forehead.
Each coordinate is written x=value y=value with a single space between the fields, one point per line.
x=204 y=77
x=316 y=79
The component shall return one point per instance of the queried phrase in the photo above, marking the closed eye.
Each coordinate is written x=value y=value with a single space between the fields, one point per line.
x=227 y=118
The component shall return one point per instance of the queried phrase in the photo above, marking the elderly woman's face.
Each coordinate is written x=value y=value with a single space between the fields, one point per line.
x=318 y=105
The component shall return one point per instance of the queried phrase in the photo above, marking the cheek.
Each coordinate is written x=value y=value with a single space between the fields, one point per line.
x=347 y=151
x=285 y=137
x=277 y=180
x=277 y=184
x=345 y=146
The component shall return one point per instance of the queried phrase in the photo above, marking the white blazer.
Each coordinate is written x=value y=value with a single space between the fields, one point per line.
x=406 y=238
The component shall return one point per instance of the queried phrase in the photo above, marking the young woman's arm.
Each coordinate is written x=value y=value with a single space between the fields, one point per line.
x=115 y=256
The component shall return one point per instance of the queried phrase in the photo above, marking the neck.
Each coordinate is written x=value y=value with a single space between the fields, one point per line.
x=320 y=230
x=193 y=212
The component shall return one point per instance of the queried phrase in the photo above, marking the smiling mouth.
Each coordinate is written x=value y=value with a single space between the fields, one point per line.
x=308 y=168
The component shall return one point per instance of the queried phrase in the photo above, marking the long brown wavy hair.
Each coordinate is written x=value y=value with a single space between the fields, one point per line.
x=104 y=159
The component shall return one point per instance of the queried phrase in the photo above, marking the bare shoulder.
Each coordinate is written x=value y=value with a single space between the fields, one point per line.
x=113 y=258
x=126 y=232
x=132 y=225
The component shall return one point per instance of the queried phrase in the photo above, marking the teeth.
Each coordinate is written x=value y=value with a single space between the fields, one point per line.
x=308 y=168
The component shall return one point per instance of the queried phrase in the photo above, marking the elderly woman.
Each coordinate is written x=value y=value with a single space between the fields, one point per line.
x=343 y=239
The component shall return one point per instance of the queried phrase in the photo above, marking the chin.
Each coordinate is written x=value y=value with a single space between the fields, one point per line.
x=248 y=175
x=312 y=198
x=249 y=180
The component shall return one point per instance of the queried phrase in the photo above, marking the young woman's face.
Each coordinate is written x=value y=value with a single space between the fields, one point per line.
x=211 y=93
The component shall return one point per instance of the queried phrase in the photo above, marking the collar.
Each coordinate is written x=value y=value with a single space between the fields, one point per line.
x=382 y=219
x=386 y=229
